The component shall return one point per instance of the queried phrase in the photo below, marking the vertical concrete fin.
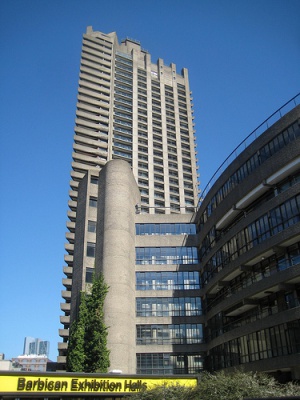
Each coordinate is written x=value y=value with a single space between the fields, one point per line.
x=115 y=258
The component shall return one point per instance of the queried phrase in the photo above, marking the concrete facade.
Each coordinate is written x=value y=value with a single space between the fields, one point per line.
x=165 y=348
x=115 y=258
x=249 y=224
x=131 y=109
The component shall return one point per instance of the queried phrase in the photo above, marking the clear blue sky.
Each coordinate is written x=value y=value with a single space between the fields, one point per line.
x=244 y=62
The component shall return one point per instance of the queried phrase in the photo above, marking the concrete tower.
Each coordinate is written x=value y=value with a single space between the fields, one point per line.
x=134 y=110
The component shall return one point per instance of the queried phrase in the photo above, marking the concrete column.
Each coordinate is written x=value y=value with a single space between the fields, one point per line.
x=115 y=258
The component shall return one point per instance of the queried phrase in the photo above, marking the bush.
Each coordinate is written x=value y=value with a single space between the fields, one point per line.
x=235 y=386
x=170 y=392
x=222 y=386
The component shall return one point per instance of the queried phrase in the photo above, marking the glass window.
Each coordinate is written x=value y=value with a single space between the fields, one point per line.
x=283 y=138
x=169 y=334
x=93 y=202
x=89 y=275
x=168 y=306
x=165 y=229
x=170 y=280
x=91 y=226
x=267 y=225
x=165 y=363
x=90 y=250
x=94 y=180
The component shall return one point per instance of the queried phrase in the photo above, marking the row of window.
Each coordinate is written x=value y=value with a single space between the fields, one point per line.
x=168 y=363
x=166 y=255
x=268 y=225
x=213 y=235
x=167 y=280
x=265 y=152
x=270 y=194
x=273 y=304
x=158 y=255
x=169 y=334
x=168 y=306
x=280 y=340
x=164 y=280
x=165 y=229
x=258 y=272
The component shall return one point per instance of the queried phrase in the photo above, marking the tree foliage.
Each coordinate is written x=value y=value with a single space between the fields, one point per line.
x=168 y=392
x=222 y=386
x=87 y=349
x=76 y=350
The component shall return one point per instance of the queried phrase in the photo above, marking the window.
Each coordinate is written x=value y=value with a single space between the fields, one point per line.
x=254 y=161
x=169 y=334
x=94 y=180
x=92 y=226
x=168 y=306
x=166 y=255
x=93 y=202
x=165 y=363
x=90 y=250
x=89 y=275
x=168 y=280
x=165 y=229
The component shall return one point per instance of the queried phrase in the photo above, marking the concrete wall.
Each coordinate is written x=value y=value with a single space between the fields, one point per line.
x=115 y=258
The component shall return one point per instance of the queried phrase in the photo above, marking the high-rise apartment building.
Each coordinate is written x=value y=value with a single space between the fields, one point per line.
x=33 y=346
x=134 y=110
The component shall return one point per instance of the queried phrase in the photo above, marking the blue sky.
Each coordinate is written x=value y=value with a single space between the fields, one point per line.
x=243 y=59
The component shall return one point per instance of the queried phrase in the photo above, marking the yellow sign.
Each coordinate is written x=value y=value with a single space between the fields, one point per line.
x=75 y=383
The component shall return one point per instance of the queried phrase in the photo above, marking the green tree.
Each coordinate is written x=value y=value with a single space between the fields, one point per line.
x=76 y=350
x=96 y=352
x=87 y=349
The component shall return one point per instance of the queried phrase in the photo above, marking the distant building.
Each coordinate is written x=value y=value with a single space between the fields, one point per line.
x=5 y=365
x=33 y=346
x=31 y=362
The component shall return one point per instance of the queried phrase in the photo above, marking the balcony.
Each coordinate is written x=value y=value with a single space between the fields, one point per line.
x=74 y=185
x=65 y=320
x=62 y=346
x=66 y=307
x=68 y=259
x=64 y=333
x=68 y=271
x=70 y=236
x=65 y=294
x=67 y=283
x=71 y=226
x=61 y=359
x=69 y=247
x=92 y=161
x=73 y=194
x=77 y=175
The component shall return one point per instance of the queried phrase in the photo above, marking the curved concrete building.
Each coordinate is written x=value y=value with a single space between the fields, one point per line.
x=249 y=232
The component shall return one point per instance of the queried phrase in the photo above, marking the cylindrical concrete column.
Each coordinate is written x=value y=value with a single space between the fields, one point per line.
x=115 y=258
